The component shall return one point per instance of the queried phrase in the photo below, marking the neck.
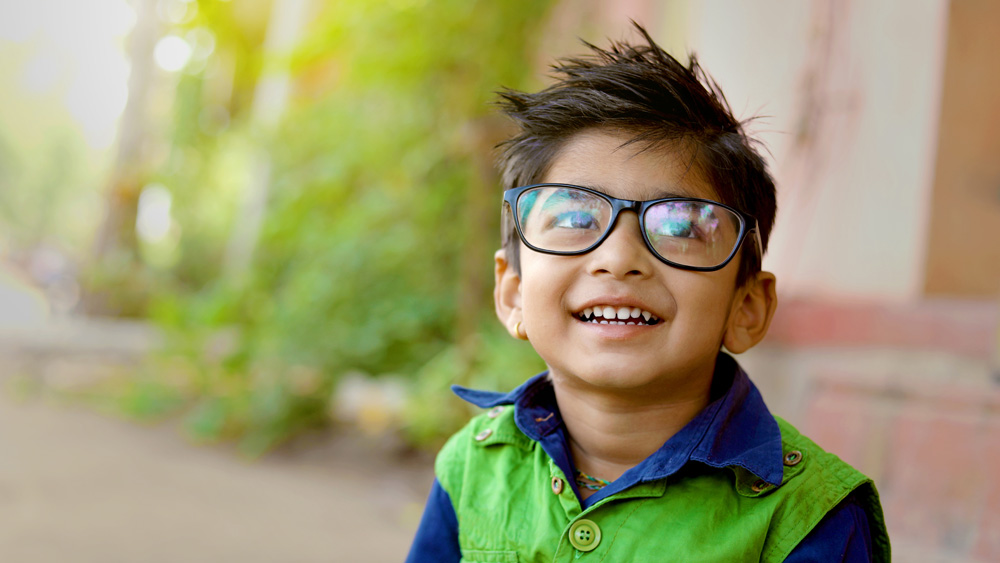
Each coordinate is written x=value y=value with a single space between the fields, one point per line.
x=609 y=434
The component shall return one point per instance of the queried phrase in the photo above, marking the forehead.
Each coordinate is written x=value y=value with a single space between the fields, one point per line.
x=600 y=159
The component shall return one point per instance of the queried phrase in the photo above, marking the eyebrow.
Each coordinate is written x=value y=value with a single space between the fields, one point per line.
x=662 y=193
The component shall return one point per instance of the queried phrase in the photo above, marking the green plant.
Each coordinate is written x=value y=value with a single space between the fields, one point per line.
x=374 y=227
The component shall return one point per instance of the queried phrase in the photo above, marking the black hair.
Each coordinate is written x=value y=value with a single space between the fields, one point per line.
x=644 y=91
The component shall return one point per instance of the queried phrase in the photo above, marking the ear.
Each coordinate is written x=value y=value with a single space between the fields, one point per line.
x=753 y=308
x=507 y=296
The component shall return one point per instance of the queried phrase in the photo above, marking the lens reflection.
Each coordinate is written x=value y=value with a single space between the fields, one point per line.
x=562 y=219
x=692 y=233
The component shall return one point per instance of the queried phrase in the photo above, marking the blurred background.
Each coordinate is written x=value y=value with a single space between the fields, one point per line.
x=246 y=246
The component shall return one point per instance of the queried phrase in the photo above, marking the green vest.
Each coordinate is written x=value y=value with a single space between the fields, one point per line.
x=514 y=505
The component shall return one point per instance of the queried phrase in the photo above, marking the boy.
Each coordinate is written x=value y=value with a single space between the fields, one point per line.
x=636 y=215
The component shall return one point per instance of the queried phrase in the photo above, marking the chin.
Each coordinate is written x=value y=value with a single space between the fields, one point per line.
x=610 y=377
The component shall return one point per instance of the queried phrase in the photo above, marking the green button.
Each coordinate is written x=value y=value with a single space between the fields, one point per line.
x=585 y=535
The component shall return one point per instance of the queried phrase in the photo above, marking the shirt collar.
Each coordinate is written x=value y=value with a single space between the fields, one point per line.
x=735 y=429
x=488 y=399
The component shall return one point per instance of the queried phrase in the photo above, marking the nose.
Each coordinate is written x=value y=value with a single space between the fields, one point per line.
x=624 y=252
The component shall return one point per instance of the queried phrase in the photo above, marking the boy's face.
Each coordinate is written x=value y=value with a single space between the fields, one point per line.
x=697 y=309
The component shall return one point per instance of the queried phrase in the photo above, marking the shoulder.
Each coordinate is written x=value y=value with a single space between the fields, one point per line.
x=815 y=477
x=813 y=472
x=468 y=450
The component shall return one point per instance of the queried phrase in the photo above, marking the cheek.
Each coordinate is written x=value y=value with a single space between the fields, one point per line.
x=539 y=299
x=708 y=293
x=704 y=307
x=543 y=285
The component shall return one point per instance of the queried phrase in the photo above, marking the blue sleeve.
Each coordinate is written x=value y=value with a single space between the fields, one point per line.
x=842 y=536
x=437 y=536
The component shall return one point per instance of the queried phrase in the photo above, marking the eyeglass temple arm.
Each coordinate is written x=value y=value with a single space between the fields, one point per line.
x=756 y=237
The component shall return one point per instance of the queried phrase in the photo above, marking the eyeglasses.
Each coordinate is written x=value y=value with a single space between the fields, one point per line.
x=684 y=232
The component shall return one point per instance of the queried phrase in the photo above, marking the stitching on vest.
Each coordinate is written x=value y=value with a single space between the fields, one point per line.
x=622 y=525
x=847 y=487
x=798 y=527
x=822 y=464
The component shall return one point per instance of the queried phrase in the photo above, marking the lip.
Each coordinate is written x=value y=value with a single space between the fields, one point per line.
x=616 y=332
x=610 y=332
x=613 y=301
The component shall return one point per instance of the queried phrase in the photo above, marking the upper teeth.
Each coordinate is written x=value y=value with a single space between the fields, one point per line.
x=617 y=314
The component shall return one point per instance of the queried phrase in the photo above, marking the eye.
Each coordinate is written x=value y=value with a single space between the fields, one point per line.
x=676 y=228
x=575 y=220
x=682 y=220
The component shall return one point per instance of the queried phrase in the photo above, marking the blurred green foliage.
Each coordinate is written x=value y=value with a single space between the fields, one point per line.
x=41 y=203
x=374 y=256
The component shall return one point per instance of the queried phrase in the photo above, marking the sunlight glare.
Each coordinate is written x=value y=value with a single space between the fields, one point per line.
x=172 y=53
x=153 y=221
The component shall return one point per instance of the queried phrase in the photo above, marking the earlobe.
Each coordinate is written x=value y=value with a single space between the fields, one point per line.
x=753 y=309
x=507 y=296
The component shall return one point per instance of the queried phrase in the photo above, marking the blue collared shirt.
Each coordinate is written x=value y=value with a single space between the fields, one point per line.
x=735 y=429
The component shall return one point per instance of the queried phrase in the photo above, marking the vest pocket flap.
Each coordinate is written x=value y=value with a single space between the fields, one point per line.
x=478 y=556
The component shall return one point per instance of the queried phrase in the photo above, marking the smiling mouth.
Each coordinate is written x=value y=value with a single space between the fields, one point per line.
x=608 y=315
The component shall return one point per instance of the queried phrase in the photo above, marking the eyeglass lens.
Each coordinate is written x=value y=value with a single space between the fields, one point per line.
x=565 y=219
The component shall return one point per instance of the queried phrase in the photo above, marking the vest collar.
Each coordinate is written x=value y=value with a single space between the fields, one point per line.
x=734 y=430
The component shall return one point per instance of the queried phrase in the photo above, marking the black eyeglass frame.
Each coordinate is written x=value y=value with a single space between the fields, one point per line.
x=511 y=196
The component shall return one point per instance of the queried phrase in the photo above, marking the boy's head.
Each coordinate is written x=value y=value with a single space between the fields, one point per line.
x=600 y=295
x=643 y=92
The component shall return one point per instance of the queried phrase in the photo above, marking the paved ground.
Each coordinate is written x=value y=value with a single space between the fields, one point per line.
x=78 y=487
